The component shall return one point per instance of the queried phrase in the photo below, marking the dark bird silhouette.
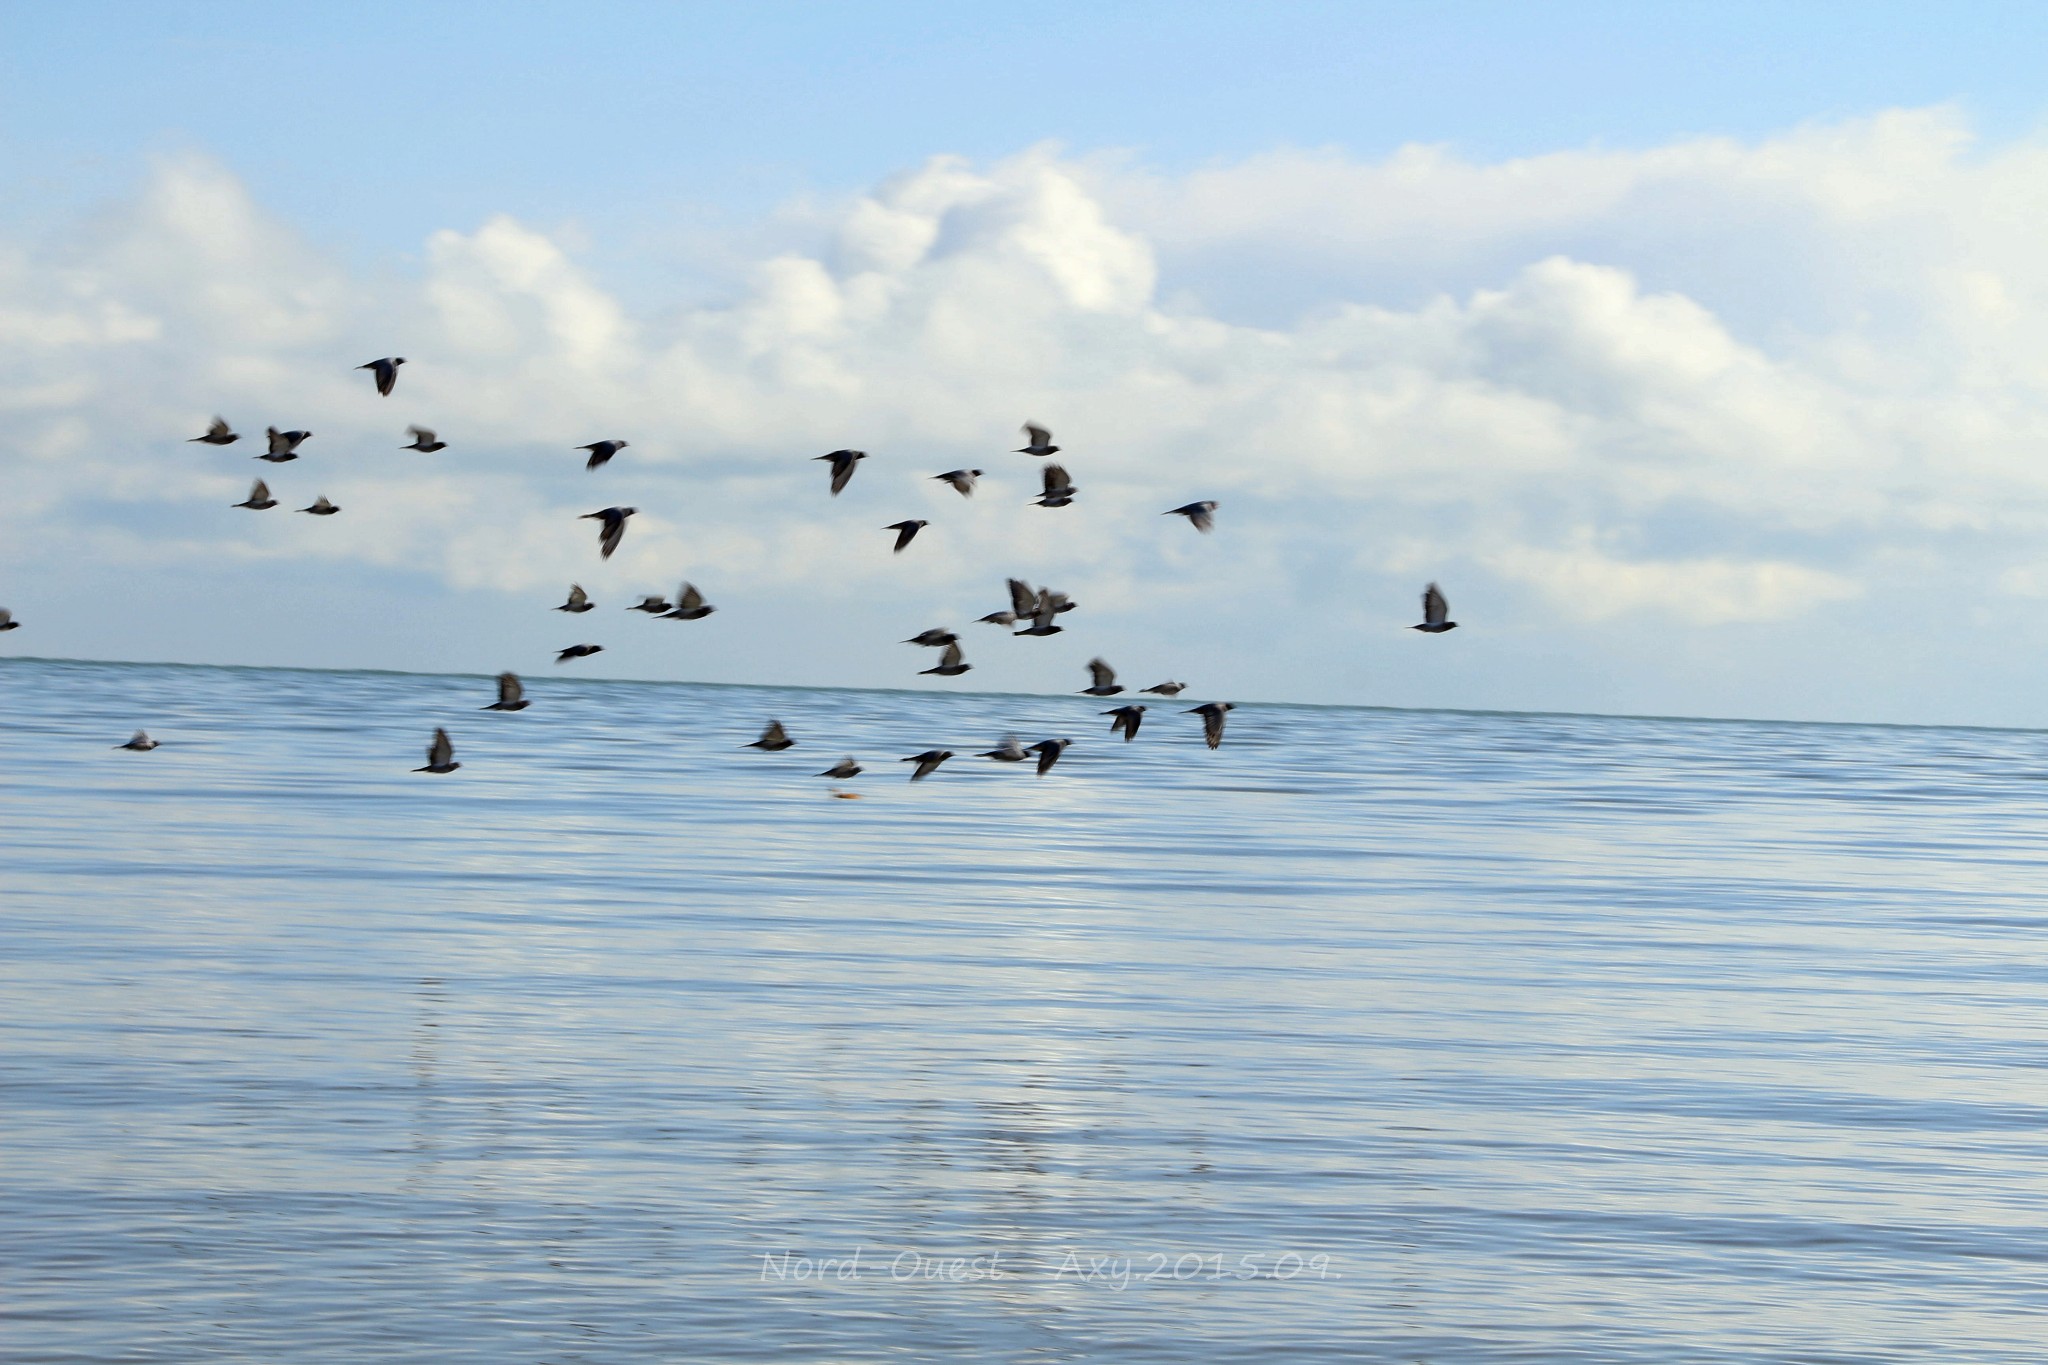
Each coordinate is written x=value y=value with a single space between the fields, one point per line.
x=1059 y=489
x=1040 y=441
x=842 y=462
x=1128 y=719
x=690 y=606
x=613 y=530
x=962 y=480
x=511 y=696
x=259 y=498
x=933 y=638
x=141 y=743
x=579 y=600
x=385 y=372
x=1049 y=751
x=602 y=451
x=998 y=618
x=906 y=531
x=926 y=761
x=1434 y=612
x=843 y=769
x=423 y=439
x=219 y=434
x=578 y=652
x=440 y=755
x=951 y=664
x=1212 y=714
x=7 y=621
x=773 y=739
x=1200 y=515
x=1009 y=751
x=1166 y=689
x=284 y=445
x=653 y=605
x=1104 y=683
x=1044 y=607
x=321 y=507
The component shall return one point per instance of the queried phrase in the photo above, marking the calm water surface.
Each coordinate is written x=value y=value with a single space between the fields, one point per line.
x=1372 y=1036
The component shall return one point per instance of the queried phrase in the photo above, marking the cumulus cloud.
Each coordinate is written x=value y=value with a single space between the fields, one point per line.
x=1703 y=385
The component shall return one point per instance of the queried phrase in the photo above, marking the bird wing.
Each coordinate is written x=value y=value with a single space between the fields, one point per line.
x=1435 y=611
x=421 y=435
x=441 y=750
x=5 y=616
x=1023 y=601
x=577 y=597
x=1010 y=747
x=1048 y=754
x=1102 y=673
x=219 y=428
x=843 y=462
x=509 y=690
x=1037 y=435
x=387 y=375
x=278 y=444
x=614 y=532
x=774 y=733
x=1212 y=725
x=689 y=599
x=1055 y=479
x=1204 y=517
x=951 y=656
x=259 y=491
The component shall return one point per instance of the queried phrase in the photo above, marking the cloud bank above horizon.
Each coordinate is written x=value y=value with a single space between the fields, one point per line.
x=1714 y=426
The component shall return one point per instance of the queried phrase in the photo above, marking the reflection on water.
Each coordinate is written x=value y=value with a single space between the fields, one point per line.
x=1372 y=1035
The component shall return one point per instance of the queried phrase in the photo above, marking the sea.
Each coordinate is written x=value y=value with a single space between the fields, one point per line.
x=1371 y=1035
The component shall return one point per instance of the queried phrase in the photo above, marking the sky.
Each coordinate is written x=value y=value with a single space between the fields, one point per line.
x=1697 y=350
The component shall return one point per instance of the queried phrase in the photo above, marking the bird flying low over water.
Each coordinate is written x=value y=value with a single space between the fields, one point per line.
x=1009 y=751
x=690 y=606
x=1104 y=683
x=843 y=769
x=440 y=755
x=962 y=480
x=423 y=439
x=1128 y=719
x=773 y=738
x=602 y=451
x=259 y=498
x=511 y=696
x=1039 y=441
x=1059 y=489
x=321 y=507
x=951 y=663
x=284 y=445
x=926 y=761
x=579 y=600
x=1049 y=751
x=385 y=372
x=613 y=530
x=654 y=604
x=1166 y=689
x=933 y=638
x=1434 y=612
x=1200 y=515
x=842 y=462
x=906 y=531
x=1212 y=713
x=141 y=743
x=578 y=652
x=219 y=434
x=7 y=621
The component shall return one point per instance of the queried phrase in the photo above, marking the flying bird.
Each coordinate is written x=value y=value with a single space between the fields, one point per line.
x=1434 y=612
x=1200 y=515
x=1009 y=751
x=1059 y=489
x=654 y=604
x=1103 y=680
x=511 y=696
x=962 y=480
x=1044 y=606
x=7 y=621
x=141 y=743
x=843 y=769
x=259 y=498
x=1166 y=689
x=602 y=451
x=690 y=606
x=1049 y=751
x=423 y=438
x=1212 y=713
x=321 y=507
x=613 y=530
x=906 y=531
x=951 y=664
x=579 y=600
x=1128 y=719
x=385 y=371
x=578 y=652
x=1040 y=441
x=774 y=738
x=926 y=761
x=284 y=445
x=933 y=638
x=219 y=434
x=440 y=755
x=843 y=462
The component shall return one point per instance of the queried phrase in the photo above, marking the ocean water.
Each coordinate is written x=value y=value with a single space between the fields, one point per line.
x=1373 y=1035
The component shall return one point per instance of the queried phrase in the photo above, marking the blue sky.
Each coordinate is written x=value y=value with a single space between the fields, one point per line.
x=1691 y=346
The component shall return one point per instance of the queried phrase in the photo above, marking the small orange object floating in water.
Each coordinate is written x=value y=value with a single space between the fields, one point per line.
x=846 y=796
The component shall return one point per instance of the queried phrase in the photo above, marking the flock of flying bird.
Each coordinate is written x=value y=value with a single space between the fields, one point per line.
x=1032 y=611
